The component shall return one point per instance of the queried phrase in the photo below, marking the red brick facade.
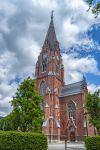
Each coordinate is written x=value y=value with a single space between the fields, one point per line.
x=78 y=122
x=49 y=80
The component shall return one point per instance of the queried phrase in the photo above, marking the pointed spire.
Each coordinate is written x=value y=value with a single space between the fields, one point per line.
x=84 y=81
x=52 y=14
x=84 y=78
x=51 y=39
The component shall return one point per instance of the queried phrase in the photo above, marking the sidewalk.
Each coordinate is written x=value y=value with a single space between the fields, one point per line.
x=70 y=146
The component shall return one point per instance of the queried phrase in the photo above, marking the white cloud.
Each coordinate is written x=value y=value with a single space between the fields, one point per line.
x=7 y=10
x=6 y=94
x=92 y=88
x=45 y=3
x=77 y=21
x=76 y=67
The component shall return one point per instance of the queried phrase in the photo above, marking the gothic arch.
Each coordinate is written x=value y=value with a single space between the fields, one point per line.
x=44 y=65
x=71 y=110
x=42 y=88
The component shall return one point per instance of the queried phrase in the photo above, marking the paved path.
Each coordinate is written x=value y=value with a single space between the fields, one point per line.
x=70 y=146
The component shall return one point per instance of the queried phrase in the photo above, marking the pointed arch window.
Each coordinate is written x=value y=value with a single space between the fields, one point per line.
x=44 y=65
x=71 y=110
x=43 y=88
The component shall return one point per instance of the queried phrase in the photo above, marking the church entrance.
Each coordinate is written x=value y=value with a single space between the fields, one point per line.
x=72 y=134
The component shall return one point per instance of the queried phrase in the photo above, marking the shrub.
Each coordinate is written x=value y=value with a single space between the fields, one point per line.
x=92 y=143
x=11 y=140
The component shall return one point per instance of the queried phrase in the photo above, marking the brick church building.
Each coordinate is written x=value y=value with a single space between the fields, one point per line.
x=63 y=105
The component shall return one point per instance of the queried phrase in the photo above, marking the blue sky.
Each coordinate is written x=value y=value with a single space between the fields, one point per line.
x=23 y=27
x=96 y=1
x=95 y=35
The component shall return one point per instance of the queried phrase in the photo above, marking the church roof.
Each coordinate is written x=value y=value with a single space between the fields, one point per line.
x=72 y=89
x=51 y=39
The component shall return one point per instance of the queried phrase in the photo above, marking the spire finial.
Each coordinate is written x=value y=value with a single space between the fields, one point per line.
x=84 y=79
x=52 y=14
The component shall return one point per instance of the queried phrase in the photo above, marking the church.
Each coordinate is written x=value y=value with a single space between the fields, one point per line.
x=65 y=116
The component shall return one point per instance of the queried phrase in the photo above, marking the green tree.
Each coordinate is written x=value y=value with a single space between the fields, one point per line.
x=95 y=4
x=27 y=114
x=93 y=109
x=6 y=123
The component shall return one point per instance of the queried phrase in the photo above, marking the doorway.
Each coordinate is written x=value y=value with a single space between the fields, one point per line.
x=72 y=134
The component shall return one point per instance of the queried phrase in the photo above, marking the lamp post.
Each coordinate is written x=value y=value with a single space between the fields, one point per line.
x=66 y=136
x=85 y=114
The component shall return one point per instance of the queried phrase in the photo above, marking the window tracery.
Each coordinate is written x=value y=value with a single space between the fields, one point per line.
x=44 y=65
x=42 y=88
x=71 y=110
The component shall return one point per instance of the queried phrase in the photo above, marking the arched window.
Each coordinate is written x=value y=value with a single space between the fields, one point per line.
x=71 y=110
x=42 y=88
x=44 y=65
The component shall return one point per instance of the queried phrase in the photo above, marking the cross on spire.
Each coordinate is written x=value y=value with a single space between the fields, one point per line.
x=52 y=14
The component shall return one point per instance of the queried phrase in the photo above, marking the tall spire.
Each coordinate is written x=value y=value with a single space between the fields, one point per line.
x=51 y=39
x=52 y=14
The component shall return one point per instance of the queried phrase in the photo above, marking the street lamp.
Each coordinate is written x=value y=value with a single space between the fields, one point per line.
x=85 y=114
x=66 y=138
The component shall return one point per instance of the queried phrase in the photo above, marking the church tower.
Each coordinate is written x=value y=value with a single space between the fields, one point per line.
x=49 y=80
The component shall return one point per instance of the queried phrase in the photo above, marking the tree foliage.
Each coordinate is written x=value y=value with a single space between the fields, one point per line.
x=5 y=123
x=93 y=108
x=92 y=143
x=13 y=140
x=96 y=9
x=95 y=6
x=26 y=114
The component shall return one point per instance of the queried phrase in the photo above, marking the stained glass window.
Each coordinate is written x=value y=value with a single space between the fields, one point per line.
x=42 y=88
x=71 y=110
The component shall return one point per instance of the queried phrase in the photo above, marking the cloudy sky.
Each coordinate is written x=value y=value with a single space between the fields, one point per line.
x=23 y=26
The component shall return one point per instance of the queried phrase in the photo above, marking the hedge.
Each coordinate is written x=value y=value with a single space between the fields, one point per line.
x=92 y=143
x=11 y=140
